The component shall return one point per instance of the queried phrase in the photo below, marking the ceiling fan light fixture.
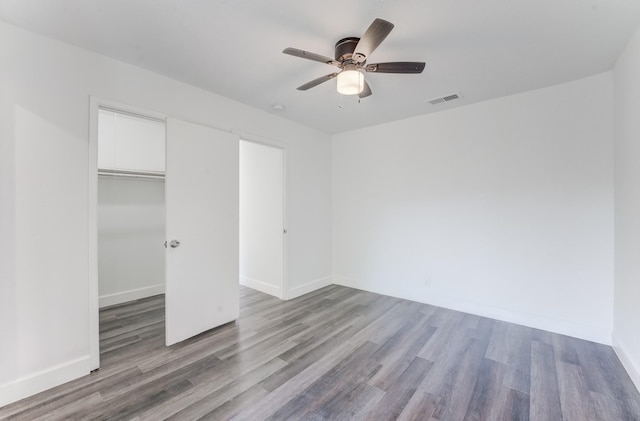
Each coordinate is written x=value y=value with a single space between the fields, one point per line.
x=350 y=82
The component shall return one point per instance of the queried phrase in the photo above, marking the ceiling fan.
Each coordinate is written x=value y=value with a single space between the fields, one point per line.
x=351 y=57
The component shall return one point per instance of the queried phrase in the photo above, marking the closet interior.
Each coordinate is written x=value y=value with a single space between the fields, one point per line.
x=131 y=207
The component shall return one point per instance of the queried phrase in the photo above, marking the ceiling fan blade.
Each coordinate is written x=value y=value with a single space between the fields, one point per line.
x=316 y=82
x=396 y=67
x=366 y=91
x=372 y=38
x=310 y=56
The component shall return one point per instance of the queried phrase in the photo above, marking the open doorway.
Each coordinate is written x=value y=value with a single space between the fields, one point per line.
x=131 y=228
x=262 y=229
x=131 y=207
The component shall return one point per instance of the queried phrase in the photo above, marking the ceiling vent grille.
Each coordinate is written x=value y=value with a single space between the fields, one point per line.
x=446 y=98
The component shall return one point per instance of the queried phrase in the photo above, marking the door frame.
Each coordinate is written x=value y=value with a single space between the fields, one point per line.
x=95 y=104
x=247 y=137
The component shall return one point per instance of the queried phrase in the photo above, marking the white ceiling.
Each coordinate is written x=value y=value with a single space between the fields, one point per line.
x=481 y=49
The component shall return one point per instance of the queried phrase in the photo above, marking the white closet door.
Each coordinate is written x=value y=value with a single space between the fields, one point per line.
x=202 y=215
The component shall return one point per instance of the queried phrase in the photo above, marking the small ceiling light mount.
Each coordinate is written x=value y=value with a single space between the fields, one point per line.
x=278 y=108
x=350 y=80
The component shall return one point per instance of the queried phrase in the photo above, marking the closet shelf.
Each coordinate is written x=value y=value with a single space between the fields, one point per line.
x=130 y=173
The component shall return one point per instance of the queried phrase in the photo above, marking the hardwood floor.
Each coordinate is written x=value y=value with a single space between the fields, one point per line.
x=339 y=353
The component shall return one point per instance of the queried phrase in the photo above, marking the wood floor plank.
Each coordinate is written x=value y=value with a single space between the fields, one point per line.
x=345 y=376
x=290 y=389
x=486 y=390
x=265 y=338
x=545 y=394
x=353 y=403
x=607 y=405
x=404 y=346
x=459 y=382
x=189 y=351
x=338 y=354
x=605 y=375
x=233 y=406
x=241 y=364
x=127 y=406
x=420 y=407
x=229 y=379
x=295 y=366
x=575 y=399
x=70 y=409
x=512 y=405
x=402 y=390
x=511 y=345
x=224 y=392
x=445 y=338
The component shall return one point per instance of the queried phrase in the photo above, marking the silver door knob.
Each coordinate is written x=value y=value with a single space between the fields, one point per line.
x=174 y=243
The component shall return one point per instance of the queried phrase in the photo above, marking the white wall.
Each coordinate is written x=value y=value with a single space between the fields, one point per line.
x=626 y=337
x=44 y=127
x=131 y=234
x=502 y=208
x=261 y=217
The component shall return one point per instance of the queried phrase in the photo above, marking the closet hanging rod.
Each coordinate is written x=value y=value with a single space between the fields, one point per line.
x=131 y=173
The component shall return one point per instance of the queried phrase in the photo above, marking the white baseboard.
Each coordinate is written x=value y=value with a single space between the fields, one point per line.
x=627 y=362
x=132 y=294
x=308 y=287
x=261 y=286
x=598 y=334
x=43 y=380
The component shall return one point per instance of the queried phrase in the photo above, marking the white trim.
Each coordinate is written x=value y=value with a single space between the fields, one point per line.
x=42 y=380
x=130 y=295
x=129 y=109
x=600 y=334
x=285 y=227
x=92 y=246
x=632 y=368
x=250 y=137
x=261 y=286
x=309 y=287
x=95 y=103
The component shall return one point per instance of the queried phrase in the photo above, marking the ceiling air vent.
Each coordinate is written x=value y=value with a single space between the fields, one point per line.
x=445 y=98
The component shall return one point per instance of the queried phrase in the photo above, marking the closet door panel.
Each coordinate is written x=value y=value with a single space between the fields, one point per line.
x=202 y=216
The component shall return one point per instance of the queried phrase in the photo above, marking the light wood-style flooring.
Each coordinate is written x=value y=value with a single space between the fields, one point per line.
x=339 y=354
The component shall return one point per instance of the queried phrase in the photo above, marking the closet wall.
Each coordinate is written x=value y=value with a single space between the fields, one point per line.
x=131 y=209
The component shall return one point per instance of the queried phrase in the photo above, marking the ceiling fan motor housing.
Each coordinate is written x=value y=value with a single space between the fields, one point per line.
x=345 y=48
